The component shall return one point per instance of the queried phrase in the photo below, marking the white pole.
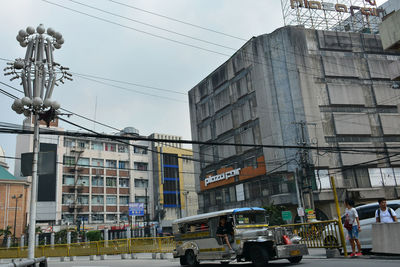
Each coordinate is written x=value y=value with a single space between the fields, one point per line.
x=34 y=185
x=296 y=179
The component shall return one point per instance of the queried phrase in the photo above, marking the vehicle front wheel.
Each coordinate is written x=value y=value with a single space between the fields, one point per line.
x=182 y=260
x=259 y=256
x=191 y=258
x=295 y=259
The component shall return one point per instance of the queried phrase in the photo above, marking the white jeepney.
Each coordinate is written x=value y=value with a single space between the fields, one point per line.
x=252 y=239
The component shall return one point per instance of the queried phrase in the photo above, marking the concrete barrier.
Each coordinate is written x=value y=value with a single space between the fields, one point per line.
x=92 y=257
x=386 y=238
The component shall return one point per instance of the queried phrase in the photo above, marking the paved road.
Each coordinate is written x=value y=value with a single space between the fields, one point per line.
x=366 y=262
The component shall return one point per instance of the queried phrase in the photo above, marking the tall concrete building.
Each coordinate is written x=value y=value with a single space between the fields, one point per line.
x=174 y=181
x=297 y=87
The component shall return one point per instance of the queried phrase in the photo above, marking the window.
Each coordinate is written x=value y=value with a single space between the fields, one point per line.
x=68 y=180
x=97 y=146
x=69 y=142
x=218 y=197
x=67 y=199
x=123 y=149
x=111 y=164
x=123 y=200
x=111 y=200
x=170 y=159
x=97 y=200
x=68 y=217
x=141 y=183
x=123 y=182
x=110 y=147
x=139 y=199
x=83 y=200
x=97 y=181
x=83 y=162
x=111 y=182
x=83 y=180
x=123 y=164
x=97 y=163
x=97 y=217
x=69 y=160
x=226 y=195
x=83 y=144
x=140 y=150
x=140 y=166
x=124 y=217
x=212 y=198
x=367 y=212
x=111 y=217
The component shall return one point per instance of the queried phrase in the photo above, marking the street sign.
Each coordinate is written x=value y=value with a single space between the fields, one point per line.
x=136 y=209
x=310 y=214
x=286 y=215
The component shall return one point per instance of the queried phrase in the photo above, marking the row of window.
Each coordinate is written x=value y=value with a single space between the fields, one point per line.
x=99 y=181
x=68 y=199
x=248 y=191
x=101 y=146
x=98 y=217
x=109 y=163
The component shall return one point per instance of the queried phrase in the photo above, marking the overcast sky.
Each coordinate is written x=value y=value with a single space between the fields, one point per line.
x=120 y=52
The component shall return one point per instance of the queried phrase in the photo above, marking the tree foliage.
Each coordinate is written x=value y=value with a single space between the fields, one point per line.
x=94 y=236
x=275 y=214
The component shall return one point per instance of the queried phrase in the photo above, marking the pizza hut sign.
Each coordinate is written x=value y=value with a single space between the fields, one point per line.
x=319 y=5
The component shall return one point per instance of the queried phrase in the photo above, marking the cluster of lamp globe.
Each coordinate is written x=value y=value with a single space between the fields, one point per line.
x=23 y=36
x=25 y=105
x=38 y=70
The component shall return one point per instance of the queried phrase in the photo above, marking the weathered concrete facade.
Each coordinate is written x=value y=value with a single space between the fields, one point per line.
x=337 y=83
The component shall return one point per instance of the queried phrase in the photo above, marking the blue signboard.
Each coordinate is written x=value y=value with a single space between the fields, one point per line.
x=136 y=209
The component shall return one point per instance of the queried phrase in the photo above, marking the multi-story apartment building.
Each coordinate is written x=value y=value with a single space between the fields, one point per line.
x=294 y=87
x=174 y=185
x=95 y=179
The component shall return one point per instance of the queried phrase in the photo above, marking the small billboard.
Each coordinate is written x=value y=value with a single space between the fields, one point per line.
x=136 y=209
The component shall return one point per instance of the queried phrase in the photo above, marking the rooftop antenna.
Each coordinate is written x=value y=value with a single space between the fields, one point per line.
x=95 y=113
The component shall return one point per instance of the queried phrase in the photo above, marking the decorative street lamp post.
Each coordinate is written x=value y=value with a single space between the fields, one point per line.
x=39 y=74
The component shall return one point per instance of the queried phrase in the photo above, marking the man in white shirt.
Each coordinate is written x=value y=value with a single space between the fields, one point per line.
x=384 y=214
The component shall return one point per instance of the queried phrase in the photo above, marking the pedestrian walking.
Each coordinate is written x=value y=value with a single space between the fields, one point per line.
x=385 y=214
x=352 y=224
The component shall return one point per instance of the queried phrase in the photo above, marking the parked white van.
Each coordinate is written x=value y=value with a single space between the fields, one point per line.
x=366 y=215
x=250 y=238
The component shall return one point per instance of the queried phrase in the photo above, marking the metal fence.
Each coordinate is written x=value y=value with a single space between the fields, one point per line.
x=109 y=247
x=323 y=234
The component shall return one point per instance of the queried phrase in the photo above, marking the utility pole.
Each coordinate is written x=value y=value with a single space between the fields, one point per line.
x=305 y=165
x=299 y=201
x=16 y=209
x=185 y=193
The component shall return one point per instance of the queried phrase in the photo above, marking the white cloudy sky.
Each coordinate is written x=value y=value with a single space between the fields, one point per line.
x=120 y=53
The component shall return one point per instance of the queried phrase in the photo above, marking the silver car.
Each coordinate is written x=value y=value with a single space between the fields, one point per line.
x=366 y=215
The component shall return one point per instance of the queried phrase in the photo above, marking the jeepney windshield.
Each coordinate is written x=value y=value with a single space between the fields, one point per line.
x=251 y=218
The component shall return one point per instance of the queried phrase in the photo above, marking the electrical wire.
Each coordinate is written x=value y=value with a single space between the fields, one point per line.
x=180 y=21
